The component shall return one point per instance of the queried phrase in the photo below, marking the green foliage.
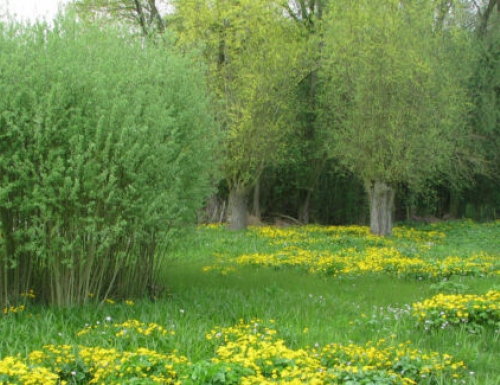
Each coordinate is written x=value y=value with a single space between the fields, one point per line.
x=483 y=199
x=215 y=373
x=394 y=102
x=105 y=150
x=251 y=74
x=393 y=97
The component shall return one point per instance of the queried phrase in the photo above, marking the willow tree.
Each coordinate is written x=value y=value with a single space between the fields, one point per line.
x=250 y=50
x=394 y=98
x=105 y=150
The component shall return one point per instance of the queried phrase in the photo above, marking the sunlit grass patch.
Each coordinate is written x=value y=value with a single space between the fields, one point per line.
x=472 y=310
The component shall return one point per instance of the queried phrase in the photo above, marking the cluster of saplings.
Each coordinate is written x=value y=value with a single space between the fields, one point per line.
x=116 y=128
x=105 y=150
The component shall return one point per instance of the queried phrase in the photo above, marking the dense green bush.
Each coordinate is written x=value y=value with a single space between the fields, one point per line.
x=105 y=148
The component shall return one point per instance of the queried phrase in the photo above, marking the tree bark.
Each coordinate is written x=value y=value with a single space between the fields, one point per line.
x=485 y=16
x=155 y=15
x=256 y=201
x=381 y=199
x=141 y=17
x=304 y=209
x=237 y=208
x=9 y=254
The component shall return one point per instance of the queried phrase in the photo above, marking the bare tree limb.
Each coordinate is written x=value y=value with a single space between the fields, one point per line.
x=485 y=17
x=140 y=14
x=156 y=15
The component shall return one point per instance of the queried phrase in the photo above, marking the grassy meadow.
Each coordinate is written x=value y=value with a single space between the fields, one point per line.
x=289 y=305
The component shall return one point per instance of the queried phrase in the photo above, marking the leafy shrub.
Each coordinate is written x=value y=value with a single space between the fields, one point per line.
x=105 y=150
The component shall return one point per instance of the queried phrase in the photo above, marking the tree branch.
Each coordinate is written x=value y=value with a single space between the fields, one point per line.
x=140 y=14
x=155 y=14
x=290 y=11
x=486 y=16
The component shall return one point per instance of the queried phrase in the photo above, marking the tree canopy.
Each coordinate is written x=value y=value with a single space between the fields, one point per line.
x=394 y=98
x=251 y=52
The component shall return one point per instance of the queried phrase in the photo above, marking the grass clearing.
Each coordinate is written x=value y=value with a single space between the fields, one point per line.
x=326 y=300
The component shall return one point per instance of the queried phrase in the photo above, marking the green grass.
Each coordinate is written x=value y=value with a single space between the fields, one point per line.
x=309 y=309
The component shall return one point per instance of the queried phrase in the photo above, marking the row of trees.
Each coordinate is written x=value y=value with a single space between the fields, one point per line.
x=116 y=128
x=391 y=92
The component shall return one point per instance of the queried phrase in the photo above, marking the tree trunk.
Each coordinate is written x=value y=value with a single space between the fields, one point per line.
x=214 y=210
x=237 y=208
x=381 y=198
x=485 y=15
x=454 y=209
x=256 y=201
x=304 y=209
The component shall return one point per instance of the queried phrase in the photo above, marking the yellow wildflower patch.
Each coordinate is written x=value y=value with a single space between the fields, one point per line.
x=472 y=310
x=255 y=345
x=247 y=353
x=352 y=250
